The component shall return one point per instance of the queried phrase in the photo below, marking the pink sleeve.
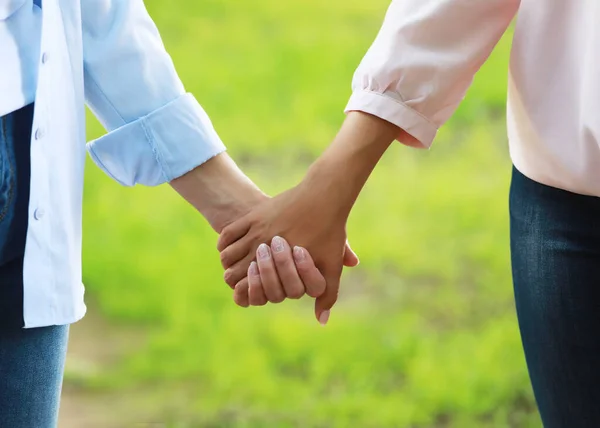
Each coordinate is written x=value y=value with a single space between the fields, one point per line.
x=424 y=59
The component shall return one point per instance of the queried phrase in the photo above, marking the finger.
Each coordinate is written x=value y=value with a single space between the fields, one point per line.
x=232 y=233
x=235 y=252
x=268 y=275
x=238 y=271
x=313 y=281
x=240 y=294
x=256 y=293
x=286 y=268
x=325 y=302
x=350 y=257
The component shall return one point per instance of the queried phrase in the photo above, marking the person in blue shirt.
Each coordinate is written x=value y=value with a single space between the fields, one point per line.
x=56 y=56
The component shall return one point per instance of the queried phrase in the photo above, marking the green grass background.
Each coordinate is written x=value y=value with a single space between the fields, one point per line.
x=425 y=333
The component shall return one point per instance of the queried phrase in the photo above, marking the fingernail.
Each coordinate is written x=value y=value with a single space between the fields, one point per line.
x=263 y=252
x=277 y=244
x=324 y=317
x=299 y=255
x=253 y=269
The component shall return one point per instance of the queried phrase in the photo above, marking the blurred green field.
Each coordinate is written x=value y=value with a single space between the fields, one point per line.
x=424 y=334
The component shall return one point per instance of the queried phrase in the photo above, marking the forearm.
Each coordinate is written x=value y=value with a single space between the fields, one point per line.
x=219 y=190
x=341 y=172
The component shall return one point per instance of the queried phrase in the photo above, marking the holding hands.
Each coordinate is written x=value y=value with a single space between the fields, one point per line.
x=294 y=243
x=312 y=218
x=261 y=272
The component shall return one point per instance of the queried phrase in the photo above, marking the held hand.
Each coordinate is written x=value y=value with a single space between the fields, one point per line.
x=223 y=194
x=281 y=272
x=305 y=217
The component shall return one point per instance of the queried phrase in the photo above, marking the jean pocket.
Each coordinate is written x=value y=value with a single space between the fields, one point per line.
x=7 y=171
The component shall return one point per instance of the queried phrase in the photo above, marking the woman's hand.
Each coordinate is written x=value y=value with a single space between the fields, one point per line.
x=280 y=270
x=304 y=217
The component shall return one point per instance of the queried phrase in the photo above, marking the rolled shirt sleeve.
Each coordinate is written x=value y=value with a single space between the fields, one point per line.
x=156 y=131
x=418 y=69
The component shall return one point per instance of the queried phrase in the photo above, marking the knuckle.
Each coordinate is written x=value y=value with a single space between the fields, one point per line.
x=240 y=301
x=229 y=277
x=259 y=302
x=316 y=288
x=225 y=236
x=295 y=293
x=225 y=258
x=314 y=292
x=241 y=288
x=277 y=298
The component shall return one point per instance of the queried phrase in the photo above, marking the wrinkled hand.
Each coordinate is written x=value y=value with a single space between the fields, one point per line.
x=306 y=218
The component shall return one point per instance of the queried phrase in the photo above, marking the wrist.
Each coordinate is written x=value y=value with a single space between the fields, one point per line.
x=343 y=169
x=231 y=205
x=219 y=190
x=328 y=185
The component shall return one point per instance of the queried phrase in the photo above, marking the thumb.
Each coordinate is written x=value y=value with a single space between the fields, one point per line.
x=325 y=302
x=350 y=257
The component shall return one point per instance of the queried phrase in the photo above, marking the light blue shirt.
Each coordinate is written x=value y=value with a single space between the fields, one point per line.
x=108 y=54
x=20 y=28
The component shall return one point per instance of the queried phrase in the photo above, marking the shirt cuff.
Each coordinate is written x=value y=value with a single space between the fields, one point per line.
x=395 y=111
x=159 y=147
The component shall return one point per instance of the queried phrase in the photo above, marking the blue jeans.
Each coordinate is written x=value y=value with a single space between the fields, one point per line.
x=15 y=140
x=31 y=371
x=555 y=246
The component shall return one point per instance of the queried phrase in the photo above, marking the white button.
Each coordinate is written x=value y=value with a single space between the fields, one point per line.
x=38 y=213
x=44 y=58
x=39 y=133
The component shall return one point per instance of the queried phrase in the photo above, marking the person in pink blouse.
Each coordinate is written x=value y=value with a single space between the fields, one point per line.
x=409 y=83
